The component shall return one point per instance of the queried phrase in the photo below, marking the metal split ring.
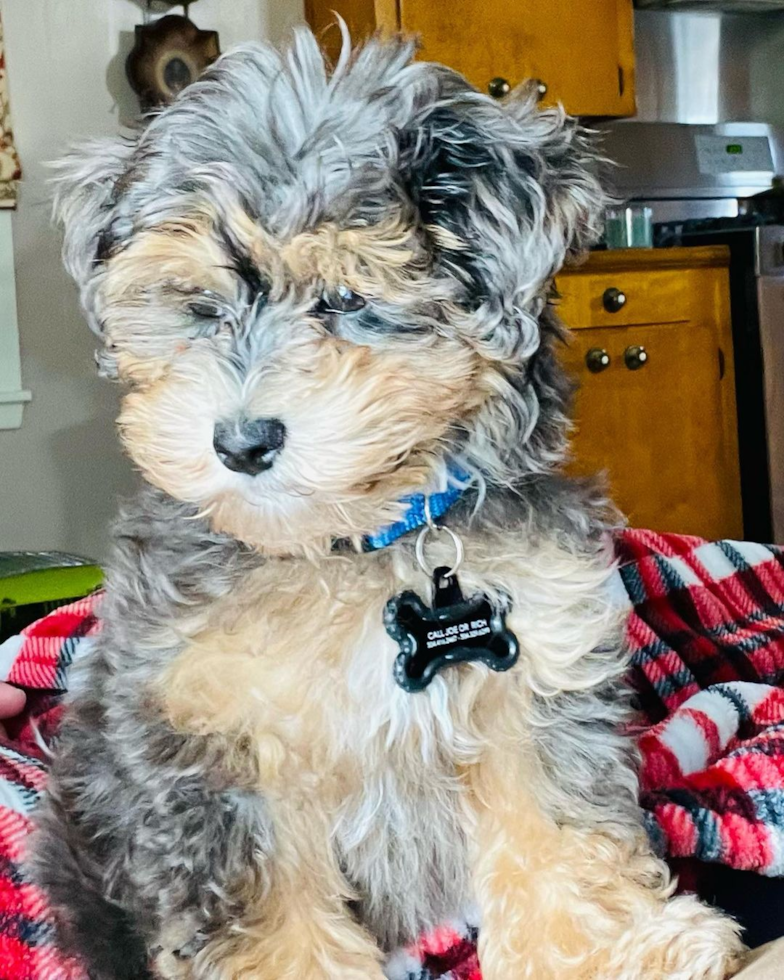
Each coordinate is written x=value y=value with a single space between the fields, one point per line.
x=420 y=547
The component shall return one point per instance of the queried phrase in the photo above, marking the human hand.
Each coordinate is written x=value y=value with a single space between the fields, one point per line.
x=12 y=702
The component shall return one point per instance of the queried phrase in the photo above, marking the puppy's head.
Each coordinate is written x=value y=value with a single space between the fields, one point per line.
x=322 y=287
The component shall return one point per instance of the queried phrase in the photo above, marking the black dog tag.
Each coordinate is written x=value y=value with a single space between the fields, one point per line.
x=456 y=630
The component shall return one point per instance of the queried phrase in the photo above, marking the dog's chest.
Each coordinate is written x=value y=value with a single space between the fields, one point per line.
x=295 y=668
x=301 y=658
x=298 y=658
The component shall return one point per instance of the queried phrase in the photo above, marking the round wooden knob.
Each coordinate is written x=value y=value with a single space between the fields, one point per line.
x=597 y=360
x=613 y=299
x=498 y=87
x=635 y=357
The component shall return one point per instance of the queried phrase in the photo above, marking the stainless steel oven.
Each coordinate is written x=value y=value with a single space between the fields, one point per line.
x=770 y=300
x=757 y=306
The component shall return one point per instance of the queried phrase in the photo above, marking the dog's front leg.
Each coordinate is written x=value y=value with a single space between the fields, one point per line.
x=567 y=903
x=302 y=928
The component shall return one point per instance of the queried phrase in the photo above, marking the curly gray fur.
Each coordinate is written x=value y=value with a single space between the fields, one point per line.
x=147 y=830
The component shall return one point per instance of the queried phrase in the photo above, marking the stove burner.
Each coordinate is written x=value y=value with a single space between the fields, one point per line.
x=671 y=232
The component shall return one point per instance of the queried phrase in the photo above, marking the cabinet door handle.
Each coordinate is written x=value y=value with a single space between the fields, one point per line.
x=498 y=87
x=613 y=299
x=597 y=360
x=722 y=364
x=635 y=357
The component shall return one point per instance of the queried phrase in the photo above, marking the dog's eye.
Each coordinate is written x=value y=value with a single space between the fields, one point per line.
x=205 y=310
x=209 y=317
x=340 y=300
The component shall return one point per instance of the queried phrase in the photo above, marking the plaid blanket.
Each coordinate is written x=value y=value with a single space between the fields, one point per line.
x=706 y=635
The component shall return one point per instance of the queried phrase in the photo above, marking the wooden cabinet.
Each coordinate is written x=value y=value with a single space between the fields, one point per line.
x=580 y=50
x=651 y=350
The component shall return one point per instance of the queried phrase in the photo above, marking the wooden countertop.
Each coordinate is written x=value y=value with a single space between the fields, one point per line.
x=630 y=259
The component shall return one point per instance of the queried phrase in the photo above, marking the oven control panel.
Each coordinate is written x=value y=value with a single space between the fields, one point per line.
x=733 y=154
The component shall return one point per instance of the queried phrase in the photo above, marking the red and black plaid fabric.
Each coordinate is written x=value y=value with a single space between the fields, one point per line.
x=704 y=613
x=707 y=641
x=706 y=636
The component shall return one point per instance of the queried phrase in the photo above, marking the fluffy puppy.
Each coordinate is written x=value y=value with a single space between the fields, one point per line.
x=325 y=290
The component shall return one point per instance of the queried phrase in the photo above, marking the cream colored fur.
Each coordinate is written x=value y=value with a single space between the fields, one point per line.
x=558 y=903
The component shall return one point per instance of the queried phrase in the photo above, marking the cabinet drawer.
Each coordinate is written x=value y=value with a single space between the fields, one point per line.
x=609 y=299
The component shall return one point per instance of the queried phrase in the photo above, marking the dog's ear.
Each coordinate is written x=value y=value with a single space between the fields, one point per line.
x=508 y=191
x=555 y=152
x=89 y=184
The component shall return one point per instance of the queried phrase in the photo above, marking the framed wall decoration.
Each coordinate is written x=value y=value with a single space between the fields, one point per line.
x=168 y=54
x=10 y=170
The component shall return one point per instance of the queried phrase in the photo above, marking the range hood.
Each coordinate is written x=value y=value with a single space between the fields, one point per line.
x=710 y=109
x=713 y=6
x=707 y=68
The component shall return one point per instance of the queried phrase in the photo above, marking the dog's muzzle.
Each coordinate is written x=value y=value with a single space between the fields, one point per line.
x=249 y=445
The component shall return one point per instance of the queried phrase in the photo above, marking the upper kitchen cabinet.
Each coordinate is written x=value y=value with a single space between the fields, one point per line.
x=580 y=51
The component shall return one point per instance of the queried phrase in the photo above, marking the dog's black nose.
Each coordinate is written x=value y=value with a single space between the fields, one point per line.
x=249 y=445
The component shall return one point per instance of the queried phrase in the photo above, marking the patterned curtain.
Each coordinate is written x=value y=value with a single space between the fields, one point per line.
x=10 y=171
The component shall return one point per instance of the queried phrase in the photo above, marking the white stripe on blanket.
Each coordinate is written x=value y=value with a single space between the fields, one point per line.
x=682 y=570
x=684 y=737
x=718 y=565
x=9 y=651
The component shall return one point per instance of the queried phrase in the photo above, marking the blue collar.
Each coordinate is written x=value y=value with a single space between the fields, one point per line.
x=415 y=516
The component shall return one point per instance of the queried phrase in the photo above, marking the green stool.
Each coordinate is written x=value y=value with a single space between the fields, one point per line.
x=32 y=584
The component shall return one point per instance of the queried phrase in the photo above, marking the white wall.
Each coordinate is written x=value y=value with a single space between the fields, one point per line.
x=61 y=472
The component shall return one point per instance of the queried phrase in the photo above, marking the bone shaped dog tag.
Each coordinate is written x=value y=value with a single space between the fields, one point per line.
x=455 y=630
